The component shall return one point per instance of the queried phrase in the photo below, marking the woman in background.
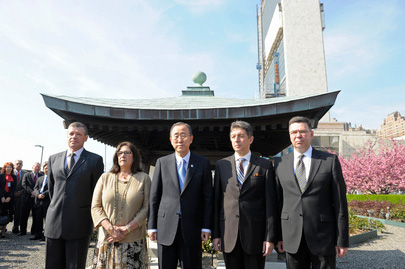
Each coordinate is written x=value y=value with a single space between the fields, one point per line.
x=7 y=187
x=119 y=210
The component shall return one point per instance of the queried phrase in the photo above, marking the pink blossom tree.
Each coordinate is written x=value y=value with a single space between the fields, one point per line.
x=376 y=170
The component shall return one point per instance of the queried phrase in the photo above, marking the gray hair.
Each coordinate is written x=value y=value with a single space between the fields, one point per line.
x=181 y=123
x=242 y=125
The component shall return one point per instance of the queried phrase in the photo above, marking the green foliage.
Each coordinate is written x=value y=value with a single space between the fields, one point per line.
x=357 y=223
x=393 y=198
x=208 y=246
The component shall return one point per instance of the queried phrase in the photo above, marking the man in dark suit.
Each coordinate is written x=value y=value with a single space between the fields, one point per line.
x=244 y=203
x=72 y=176
x=312 y=193
x=19 y=173
x=28 y=199
x=42 y=202
x=180 y=203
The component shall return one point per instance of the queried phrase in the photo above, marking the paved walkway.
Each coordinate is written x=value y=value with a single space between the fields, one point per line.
x=385 y=251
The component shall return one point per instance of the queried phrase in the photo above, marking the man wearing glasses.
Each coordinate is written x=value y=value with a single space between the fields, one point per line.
x=180 y=202
x=312 y=200
x=19 y=173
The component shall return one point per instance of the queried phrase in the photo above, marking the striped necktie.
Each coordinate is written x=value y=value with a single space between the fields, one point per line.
x=240 y=171
x=300 y=173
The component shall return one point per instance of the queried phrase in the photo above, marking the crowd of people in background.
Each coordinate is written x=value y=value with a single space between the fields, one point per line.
x=249 y=208
x=23 y=193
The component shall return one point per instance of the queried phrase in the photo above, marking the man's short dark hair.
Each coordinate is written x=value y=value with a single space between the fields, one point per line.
x=77 y=124
x=242 y=125
x=181 y=123
x=298 y=119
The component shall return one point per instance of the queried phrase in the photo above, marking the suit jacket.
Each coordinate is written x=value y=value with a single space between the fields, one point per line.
x=68 y=214
x=194 y=201
x=249 y=212
x=320 y=211
x=37 y=189
x=28 y=184
x=19 y=189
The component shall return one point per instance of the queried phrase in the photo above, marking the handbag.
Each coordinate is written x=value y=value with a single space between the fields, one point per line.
x=4 y=220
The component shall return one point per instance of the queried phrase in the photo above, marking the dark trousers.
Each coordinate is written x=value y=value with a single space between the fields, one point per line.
x=40 y=214
x=17 y=213
x=304 y=258
x=26 y=207
x=61 y=253
x=239 y=259
x=190 y=257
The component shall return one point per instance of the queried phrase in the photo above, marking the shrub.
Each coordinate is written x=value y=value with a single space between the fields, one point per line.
x=394 y=198
x=378 y=209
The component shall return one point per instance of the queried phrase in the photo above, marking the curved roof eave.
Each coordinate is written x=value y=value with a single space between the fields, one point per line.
x=186 y=107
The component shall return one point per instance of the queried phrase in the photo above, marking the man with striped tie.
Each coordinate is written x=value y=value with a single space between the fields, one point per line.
x=42 y=202
x=312 y=200
x=244 y=203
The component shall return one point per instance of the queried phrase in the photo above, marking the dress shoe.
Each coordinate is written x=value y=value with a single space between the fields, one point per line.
x=16 y=231
x=22 y=233
x=37 y=237
x=43 y=238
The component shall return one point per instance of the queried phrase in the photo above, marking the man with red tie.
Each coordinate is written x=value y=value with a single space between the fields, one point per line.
x=28 y=198
x=19 y=173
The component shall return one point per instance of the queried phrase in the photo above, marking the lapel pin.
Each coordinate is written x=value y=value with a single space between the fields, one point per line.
x=192 y=165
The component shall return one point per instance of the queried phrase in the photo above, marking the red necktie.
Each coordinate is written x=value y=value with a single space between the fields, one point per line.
x=18 y=176
x=35 y=178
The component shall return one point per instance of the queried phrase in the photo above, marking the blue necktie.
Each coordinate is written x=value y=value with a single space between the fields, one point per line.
x=182 y=173
x=43 y=184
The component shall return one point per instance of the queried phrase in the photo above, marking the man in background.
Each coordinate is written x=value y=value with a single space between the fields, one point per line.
x=28 y=199
x=42 y=202
x=18 y=164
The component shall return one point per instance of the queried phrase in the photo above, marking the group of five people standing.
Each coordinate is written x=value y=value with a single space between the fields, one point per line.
x=301 y=207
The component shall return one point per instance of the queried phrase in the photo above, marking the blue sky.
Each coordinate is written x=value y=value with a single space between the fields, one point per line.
x=150 y=49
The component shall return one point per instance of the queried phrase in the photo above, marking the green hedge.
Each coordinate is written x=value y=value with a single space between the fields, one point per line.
x=394 y=198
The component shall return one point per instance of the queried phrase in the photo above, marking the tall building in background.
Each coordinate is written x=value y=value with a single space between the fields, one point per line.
x=291 y=58
x=393 y=126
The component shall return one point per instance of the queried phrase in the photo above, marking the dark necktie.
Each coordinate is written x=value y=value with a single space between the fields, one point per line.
x=300 y=173
x=71 y=163
x=35 y=178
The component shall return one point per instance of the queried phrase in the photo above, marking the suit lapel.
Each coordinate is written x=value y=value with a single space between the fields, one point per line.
x=315 y=163
x=233 y=166
x=252 y=165
x=192 y=166
x=173 y=170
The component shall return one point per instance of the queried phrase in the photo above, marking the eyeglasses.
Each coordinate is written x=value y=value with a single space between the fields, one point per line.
x=126 y=153
x=178 y=136
x=18 y=164
x=296 y=132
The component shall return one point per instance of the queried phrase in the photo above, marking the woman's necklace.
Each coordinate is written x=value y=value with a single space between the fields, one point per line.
x=120 y=212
